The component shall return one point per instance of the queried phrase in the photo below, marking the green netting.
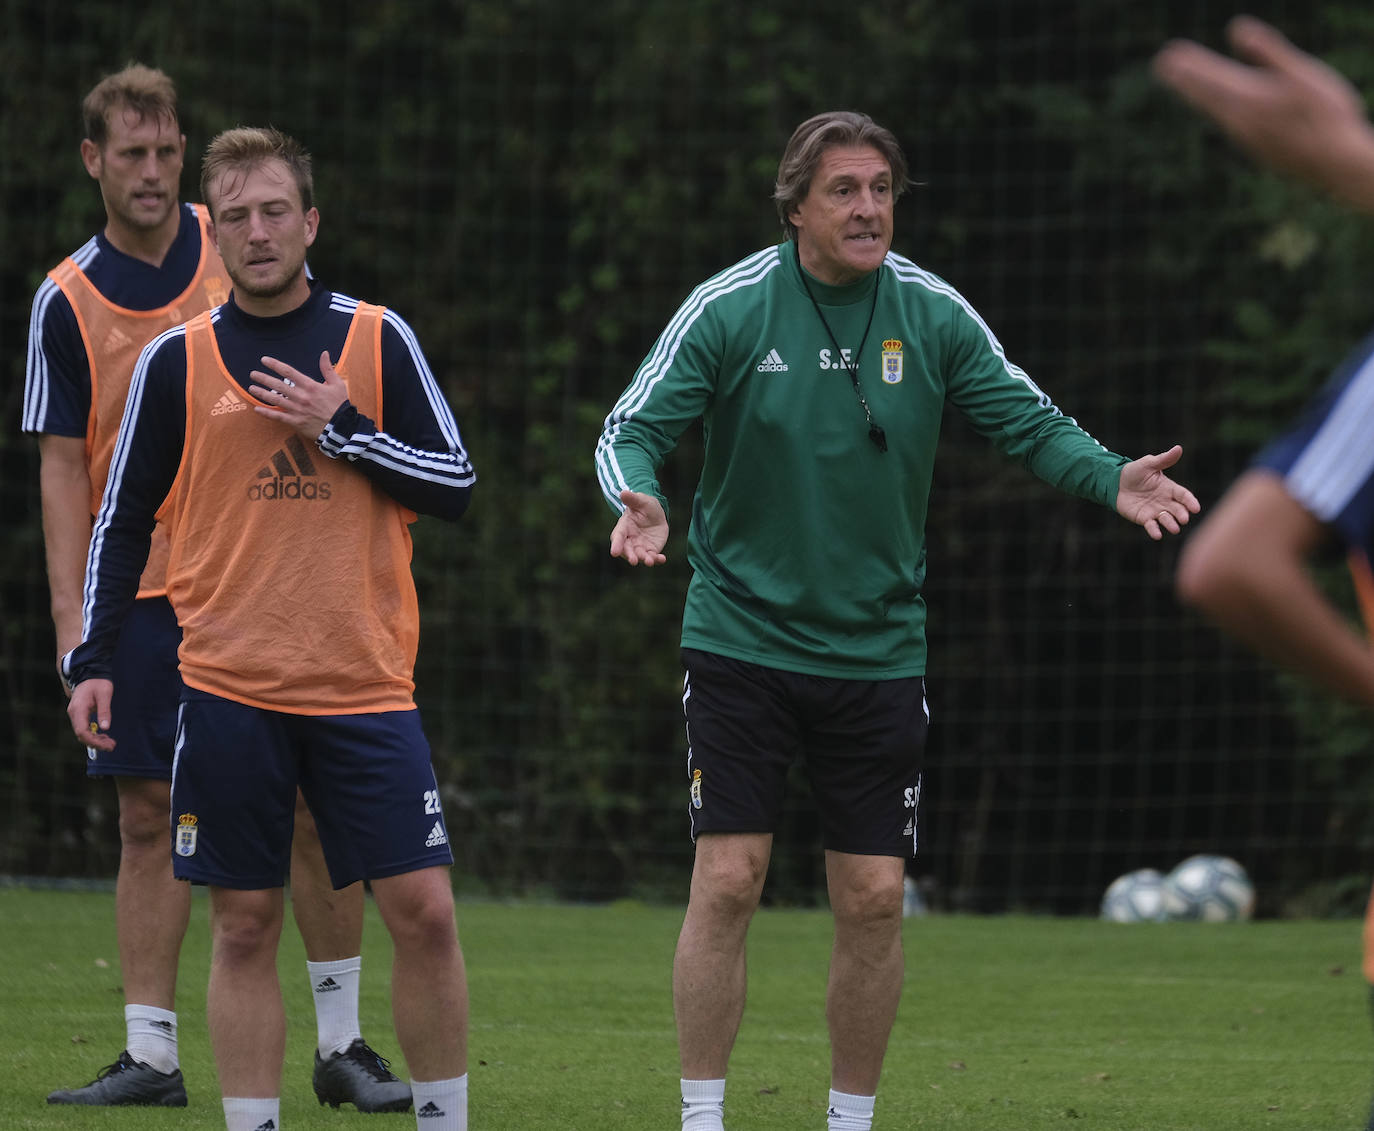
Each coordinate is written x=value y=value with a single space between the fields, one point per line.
x=536 y=185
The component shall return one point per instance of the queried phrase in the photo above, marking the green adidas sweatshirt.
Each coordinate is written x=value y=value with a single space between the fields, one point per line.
x=807 y=543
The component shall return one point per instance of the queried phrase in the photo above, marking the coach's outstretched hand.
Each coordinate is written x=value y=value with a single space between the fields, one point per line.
x=642 y=530
x=1149 y=498
x=89 y=711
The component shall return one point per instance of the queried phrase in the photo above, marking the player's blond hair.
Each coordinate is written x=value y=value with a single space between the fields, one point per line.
x=246 y=148
x=808 y=144
x=143 y=91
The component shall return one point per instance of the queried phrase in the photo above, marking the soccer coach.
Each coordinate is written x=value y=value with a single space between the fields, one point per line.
x=820 y=369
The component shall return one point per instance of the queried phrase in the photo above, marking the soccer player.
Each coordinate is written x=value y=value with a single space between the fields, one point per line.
x=151 y=267
x=1313 y=487
x=820 y=369
x=286 y=440
x=1311 y=490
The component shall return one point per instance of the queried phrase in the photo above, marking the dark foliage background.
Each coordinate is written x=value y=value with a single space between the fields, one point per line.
x=536 y=185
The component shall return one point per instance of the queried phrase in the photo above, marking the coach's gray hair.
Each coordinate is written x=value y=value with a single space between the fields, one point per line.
x=809 y=142
x=247 y=148
x=143 y=91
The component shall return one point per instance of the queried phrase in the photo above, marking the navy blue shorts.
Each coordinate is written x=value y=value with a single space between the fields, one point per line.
x=367 y=779
x=861 y=742
x=147 y=689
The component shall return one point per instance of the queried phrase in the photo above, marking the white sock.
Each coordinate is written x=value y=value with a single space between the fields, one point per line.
x=252 y=1115
x=441 y=1105
x=703 y=1105
x=335 y=989
x=849 y=1113
x=152 y=1036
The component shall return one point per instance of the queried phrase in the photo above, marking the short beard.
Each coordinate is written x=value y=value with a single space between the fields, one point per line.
x=288 y=280
x=264 y=292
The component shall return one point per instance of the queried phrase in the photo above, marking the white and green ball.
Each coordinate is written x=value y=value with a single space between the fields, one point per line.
x=1136 y=897
x=1215 y=889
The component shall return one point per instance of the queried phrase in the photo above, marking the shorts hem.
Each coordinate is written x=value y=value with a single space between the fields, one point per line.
x=904 y=852
x=747 y=830
x=148 y=773
x=386 y=871
x=232 y=883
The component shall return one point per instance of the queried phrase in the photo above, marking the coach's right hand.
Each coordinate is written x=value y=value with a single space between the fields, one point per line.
x=89 y=711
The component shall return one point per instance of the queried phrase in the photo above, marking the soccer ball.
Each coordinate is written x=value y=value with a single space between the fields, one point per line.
x=1136 y=897
x=1212 y=888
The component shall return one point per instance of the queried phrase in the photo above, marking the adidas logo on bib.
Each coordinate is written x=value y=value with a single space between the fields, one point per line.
x=227 y=403
x=289 y=474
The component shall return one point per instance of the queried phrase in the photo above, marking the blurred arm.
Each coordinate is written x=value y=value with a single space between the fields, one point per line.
x=1287 y=108
x=1246 y=569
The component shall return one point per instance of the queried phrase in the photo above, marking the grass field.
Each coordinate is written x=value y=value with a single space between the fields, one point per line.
x=1006 y=1023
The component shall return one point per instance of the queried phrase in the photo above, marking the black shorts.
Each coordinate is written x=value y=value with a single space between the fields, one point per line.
x=861 y=742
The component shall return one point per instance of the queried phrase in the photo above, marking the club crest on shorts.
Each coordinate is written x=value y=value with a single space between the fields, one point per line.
x=186 y=834
x=892 y=361
x=696 y=789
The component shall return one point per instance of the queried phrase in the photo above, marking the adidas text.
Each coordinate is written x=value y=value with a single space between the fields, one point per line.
x=773 y=363
x=431 y=1110
x=228 y=403
x=436 y=836
x=289 y=474
x=288 y=489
